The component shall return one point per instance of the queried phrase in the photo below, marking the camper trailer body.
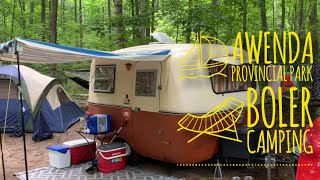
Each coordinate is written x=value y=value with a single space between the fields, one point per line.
x=157 y=97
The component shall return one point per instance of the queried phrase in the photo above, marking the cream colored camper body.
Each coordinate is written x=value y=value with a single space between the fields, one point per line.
x=176 y=95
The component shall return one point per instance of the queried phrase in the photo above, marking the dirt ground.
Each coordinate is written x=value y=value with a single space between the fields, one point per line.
x=38 y=157
x=37 y=153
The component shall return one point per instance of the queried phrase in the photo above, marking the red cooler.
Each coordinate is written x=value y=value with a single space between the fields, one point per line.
x=111 y=157
x=81 y=151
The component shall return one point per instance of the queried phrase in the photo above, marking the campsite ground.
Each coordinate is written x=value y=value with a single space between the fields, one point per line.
x=38 y=157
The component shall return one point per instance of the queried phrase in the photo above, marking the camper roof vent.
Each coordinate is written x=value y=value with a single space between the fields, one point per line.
x=162 y=38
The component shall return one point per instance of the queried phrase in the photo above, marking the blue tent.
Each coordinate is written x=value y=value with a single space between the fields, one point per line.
x=46 y=106
x=46 y=110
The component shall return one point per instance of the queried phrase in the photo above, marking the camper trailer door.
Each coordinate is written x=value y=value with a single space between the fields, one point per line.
x=146 y=109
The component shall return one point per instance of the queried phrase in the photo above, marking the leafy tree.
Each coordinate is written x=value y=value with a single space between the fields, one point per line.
x=108 y=25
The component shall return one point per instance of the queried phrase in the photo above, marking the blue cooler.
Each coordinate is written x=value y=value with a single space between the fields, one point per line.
x=99 y=123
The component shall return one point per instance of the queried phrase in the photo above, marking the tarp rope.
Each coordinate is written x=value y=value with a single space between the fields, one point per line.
x=22 y=113
x=2 y=160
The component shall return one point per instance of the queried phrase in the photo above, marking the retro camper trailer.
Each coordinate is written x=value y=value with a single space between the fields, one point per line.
x=159 y=94
x=178 y=99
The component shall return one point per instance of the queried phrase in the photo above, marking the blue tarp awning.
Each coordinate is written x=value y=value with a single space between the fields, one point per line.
x=40 y=52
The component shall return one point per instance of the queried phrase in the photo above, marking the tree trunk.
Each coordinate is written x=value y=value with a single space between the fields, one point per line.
x=244 y=21
x=49 y=17
x=109 y=22
x=13 y=16
x=43 y=19
x=294 y=18
x=132 y=15
x=137 y=29
x=283 y=15
x=300 y=19
x=145 y=21
x=53 y=21
x=276 y=19
x=103 y=10
x=4 y=25
x=75 y=11
x=189 y=29
x=3 y=36
x=80 y=22
x=152 y=14
x=31 y=12
x=314 y=29
x=132 y=7
x=63 y=8
x=23 y=10
x=263 y=15
x=53 y=31
x=216 y=33
x=119 y=23
x=244 y=16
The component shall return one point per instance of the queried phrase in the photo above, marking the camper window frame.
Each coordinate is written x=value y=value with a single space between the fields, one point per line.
x=155 y=82
x=253 y=84
x=114 y=79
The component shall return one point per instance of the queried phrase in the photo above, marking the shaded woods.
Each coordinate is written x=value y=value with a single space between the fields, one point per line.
x=109 y=25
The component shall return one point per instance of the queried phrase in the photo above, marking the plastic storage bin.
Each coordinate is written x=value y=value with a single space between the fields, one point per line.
x=99 y=123
x=59 y=156
x=81 y=151
x=111 y=157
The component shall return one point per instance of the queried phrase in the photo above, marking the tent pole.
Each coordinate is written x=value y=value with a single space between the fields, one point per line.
x=2 y=158
x=22 y=113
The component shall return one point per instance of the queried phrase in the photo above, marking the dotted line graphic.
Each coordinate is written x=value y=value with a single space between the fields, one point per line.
x=243 y=165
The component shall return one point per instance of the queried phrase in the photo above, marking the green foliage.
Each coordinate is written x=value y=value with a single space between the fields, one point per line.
x=222 y=19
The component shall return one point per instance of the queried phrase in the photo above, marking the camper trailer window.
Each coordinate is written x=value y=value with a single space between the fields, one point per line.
x=104 y=79
x=146 y=83
x=222 y=84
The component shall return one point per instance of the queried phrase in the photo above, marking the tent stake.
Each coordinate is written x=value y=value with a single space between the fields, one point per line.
x=22 y=113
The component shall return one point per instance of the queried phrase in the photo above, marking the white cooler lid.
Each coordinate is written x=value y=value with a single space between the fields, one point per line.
x=77 y=143
x=100 y=115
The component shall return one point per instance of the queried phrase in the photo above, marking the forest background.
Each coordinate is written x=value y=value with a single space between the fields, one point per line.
x=112 y=24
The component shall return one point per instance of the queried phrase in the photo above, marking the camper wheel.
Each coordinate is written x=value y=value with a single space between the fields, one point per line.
x=133 y=157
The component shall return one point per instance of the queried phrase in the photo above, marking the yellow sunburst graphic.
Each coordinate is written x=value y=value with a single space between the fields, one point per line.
x=221 y=118
x=195 y=61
